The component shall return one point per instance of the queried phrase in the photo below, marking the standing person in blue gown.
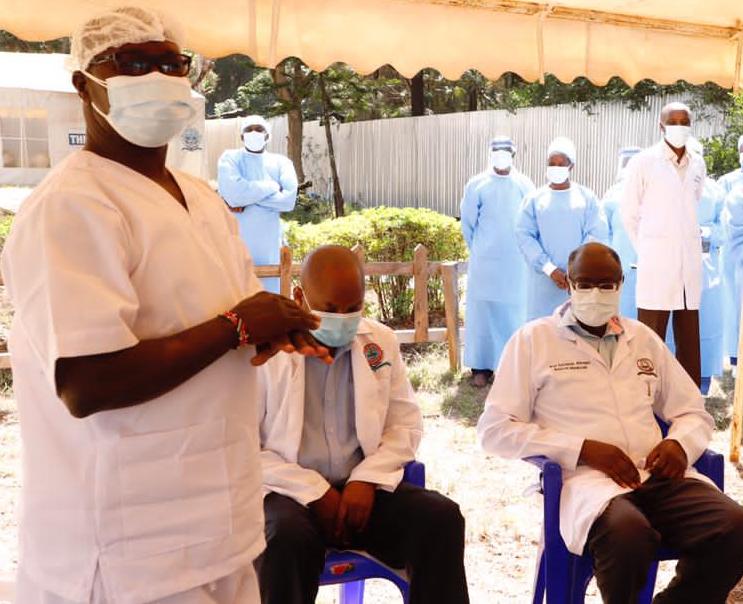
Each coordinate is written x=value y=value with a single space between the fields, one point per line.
x=553 y=221
x=618 y=238
x=496 y=283
x=258 y=186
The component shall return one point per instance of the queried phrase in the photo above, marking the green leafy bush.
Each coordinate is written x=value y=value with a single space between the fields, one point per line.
x=6 y=220
x=388 y=235
x=310 y=208
x=721 y=152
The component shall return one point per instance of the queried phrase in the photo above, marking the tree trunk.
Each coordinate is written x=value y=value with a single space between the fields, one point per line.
x=417 y=95
x=295 y=120
x=473 y=98
x=338 y=201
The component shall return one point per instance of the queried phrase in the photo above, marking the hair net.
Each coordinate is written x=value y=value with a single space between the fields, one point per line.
x=502 y=143
x=562 y=145
x=256 y=120
x=119 y=26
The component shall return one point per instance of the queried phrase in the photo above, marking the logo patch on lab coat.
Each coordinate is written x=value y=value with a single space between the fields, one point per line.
x=375 y=356
x=646 y=367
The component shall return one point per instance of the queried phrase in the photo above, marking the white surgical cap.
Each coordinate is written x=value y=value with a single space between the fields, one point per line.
x=502 y=143
x=256 y=120
x=119 y=26
x=694 y=146
x=562 y=145
x=740 y=142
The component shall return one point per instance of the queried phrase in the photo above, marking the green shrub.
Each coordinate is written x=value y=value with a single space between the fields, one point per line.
x=310 y=208
x=388 y=235
x=721 y=152
x=5 y=223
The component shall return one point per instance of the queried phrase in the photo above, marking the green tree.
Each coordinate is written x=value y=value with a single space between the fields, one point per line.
x=721 y=152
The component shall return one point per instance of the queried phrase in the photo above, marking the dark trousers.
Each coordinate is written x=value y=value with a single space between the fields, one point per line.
x=690 y=516
x=411 y=528
x=685 y=334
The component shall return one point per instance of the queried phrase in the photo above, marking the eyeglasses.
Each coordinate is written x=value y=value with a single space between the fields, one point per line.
x=584 y=286
x=137 y=64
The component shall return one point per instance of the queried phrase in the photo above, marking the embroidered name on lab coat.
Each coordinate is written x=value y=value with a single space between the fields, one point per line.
x=570 y=366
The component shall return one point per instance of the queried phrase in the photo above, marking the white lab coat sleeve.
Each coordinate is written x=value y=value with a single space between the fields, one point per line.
x=596 y=228
x=401 y=435
x=631 y=199
x=67 y=265
x=527 y=236
x=679 y=403
x=238 y=191
x=279 y=475
x=286 y=198
x=506 y=426
x=469 y=212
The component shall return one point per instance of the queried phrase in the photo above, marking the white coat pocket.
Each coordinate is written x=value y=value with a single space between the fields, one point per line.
x=174 y=489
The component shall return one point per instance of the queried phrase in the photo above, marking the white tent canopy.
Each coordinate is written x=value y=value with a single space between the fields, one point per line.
x=665 y=40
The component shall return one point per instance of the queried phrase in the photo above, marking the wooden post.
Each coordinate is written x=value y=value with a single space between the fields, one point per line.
x=449 y=276
x=736 y=426
x=285 y=272
x=358 y=249
x=420 y=292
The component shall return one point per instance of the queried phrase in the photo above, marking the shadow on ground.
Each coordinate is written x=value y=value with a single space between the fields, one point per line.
x=464 y=401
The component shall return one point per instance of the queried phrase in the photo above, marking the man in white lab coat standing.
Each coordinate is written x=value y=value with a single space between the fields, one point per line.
x=137 y=319
x=659 y=207
x=334 y=440
x=583 y=387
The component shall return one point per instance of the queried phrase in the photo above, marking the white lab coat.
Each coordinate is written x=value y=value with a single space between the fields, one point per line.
x=388 y=420
x=659 y=212
x=161 y=497
x=553 y=390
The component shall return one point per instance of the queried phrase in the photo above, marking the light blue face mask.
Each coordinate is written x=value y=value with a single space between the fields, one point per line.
x=336 y=329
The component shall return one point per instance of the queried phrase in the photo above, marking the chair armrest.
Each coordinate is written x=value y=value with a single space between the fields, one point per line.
x=415 y=473
x=712 y=465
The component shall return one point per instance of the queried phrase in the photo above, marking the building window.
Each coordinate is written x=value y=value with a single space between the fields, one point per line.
x=24 y=138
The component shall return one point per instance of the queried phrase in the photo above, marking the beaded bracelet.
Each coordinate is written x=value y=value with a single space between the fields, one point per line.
x=242 y=332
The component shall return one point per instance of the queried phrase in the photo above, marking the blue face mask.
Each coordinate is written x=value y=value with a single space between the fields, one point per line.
x=336 y=329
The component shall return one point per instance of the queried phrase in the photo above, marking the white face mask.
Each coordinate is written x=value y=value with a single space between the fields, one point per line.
x=676 y=136
x=501 y=160
x=595 y=307
x=558 y=174
x=255 y=141
x=147 y=110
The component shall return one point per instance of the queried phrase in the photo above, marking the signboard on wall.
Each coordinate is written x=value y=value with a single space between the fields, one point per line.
x=76 y=139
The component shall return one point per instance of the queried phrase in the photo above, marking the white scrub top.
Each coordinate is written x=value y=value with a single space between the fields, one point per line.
x=164 y=496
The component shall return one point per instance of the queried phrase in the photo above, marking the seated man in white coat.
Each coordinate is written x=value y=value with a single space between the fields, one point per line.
x=334 y=441
x=583 y=387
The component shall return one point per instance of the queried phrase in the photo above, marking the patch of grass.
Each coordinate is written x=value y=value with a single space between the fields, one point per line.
x=428 y=367
x=465 y=402
x=6 y=383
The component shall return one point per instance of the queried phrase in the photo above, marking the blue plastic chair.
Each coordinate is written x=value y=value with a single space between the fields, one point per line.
x=350 y=568
x=564 y=577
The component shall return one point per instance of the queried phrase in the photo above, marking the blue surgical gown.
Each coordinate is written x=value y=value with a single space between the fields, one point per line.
x=551 y=224
x=265 y=184
x=734 y=232
x=729 y=182
x=496 y=282
x=620 y=242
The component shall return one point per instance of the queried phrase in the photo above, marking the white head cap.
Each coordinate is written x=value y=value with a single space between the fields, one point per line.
x=256 y=120
x=564 y=146
x=740 y=143
x=119 y=26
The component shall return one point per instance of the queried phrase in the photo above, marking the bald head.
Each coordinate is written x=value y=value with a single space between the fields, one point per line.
x=594 y=263
x=675 y=114
x=332 y=280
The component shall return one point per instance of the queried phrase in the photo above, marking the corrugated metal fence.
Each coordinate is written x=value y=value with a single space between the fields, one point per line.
x=426 y=161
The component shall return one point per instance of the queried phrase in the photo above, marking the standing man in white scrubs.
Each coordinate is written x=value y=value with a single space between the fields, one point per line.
x=496 y=279
x=659 y=208
x=583 y=387
x=136 y=313
x=553 y=221
x=258 y=186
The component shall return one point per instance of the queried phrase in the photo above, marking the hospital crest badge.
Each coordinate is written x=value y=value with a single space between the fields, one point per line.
x=646 y=366
x=191 y=140
x=375 y=356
